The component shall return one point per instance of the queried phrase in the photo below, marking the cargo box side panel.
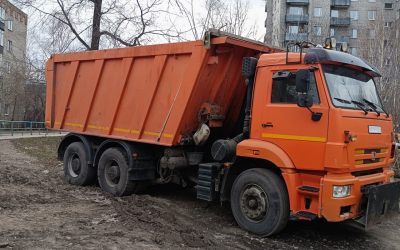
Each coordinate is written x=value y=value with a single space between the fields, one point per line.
x=110 y=89
x=136 y=98
x=169 y=90
x=81 y=95
x=63 y=85
x=182 y=97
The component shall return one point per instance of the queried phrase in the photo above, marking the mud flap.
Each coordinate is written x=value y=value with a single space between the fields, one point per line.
x=382 y=204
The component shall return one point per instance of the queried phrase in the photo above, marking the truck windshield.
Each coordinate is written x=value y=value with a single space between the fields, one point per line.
x=350 y=88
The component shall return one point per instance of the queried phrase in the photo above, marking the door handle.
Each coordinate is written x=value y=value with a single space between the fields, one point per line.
x=267 y=125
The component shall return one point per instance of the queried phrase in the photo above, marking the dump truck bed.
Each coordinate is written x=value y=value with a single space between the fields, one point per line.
x=151 y=94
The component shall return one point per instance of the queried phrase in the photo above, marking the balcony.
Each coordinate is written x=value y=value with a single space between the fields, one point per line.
x=296 y=18
x=340 y=3
x=340 y=21
x=296 y=37
x=297 y=2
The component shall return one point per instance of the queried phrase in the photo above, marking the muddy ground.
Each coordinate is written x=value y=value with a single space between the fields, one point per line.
x=38 y=210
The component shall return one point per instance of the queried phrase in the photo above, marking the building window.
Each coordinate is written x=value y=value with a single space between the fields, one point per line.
x=318 y=12
x=371 y=15
x=354 y=33
x=2 y=13
x=295 y=11
x=332 y=32
x=293 y=29
x=317 y=30
x=354 y=0
x=354 y=15
x=10 y=25
x=9 y=46
x=2 y=38
x=8 y=67
x=334 y=13
x=388 y=24
x=389 y=6
x=372 y=1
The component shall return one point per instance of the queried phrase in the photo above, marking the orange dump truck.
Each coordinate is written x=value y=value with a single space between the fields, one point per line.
x=279 y=135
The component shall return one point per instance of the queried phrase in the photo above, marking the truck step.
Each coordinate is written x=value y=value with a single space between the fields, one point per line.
x=309 y=189
x=207 y=186
x=306 y=215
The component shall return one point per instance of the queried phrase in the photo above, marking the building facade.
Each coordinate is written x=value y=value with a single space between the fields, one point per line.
x=13 y=35
x=355 y=22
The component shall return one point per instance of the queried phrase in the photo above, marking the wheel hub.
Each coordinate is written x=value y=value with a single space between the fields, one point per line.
x=254 y=202
x=112 y=173
x=74 y=165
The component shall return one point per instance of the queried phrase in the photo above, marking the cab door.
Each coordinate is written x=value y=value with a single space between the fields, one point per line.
x=278 y=119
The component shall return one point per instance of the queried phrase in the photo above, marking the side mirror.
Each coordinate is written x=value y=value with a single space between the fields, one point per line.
x=303 y=88
x=303 y=81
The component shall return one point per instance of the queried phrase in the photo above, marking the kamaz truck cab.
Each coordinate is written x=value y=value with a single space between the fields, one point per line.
x=319 y=118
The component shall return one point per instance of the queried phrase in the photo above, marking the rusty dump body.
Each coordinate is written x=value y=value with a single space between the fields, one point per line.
x=150 y=94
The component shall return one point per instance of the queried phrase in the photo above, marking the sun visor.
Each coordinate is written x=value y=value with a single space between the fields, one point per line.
x=320 y=55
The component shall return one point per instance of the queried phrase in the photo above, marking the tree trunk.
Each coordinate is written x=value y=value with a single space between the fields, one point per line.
x=96 y=25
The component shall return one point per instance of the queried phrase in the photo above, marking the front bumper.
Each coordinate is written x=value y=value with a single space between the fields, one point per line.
x=373 y=198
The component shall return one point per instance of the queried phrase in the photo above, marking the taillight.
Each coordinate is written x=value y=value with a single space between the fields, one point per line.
x=393 y=150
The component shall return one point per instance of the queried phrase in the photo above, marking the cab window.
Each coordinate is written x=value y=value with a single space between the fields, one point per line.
x=284 y=88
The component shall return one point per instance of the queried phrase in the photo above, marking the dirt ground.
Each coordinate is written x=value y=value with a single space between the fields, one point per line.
x=39 y=211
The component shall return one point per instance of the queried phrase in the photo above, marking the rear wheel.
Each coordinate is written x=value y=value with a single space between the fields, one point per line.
x=76 y=170
x=259 y=202
x=113 y=174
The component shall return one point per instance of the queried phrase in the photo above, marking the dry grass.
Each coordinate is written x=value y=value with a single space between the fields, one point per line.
x=44 y=148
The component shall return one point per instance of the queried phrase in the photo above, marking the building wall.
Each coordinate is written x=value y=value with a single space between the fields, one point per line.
x=13 y=34
x=318 y=27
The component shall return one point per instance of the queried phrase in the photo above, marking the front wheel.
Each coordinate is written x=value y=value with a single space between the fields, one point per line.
x=259 y=202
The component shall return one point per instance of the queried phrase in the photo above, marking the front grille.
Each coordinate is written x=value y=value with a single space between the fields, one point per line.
x=369 y=155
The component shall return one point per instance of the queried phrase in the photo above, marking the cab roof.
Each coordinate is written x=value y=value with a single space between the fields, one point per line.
x=319 y=55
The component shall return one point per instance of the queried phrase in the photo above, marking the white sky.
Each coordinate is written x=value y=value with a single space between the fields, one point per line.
x=258 y=15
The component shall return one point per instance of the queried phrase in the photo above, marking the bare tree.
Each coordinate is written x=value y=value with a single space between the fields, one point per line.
x=379 y=45
x=230 y=16
x=123 y=22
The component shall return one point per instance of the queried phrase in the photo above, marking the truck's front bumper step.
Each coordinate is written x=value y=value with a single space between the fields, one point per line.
x=382 y=202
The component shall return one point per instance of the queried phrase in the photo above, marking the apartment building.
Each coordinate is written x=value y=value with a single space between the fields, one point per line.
x=13 y=34
x=355 y=22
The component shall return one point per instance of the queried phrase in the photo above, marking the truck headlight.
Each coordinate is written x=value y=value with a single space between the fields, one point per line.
x=341 y=191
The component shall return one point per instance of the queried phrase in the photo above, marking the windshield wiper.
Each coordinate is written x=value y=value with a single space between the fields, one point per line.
x=360 y=105
x=342 y=100
x=374 y=107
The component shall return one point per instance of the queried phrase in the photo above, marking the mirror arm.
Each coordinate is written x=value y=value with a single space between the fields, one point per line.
x=315 y=116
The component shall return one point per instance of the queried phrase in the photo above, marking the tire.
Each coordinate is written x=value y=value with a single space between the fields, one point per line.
x=76 y=170
x=113 y=174
x=260 y=202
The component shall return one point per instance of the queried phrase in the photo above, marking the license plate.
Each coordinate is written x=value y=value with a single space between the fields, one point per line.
x=374 y=129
